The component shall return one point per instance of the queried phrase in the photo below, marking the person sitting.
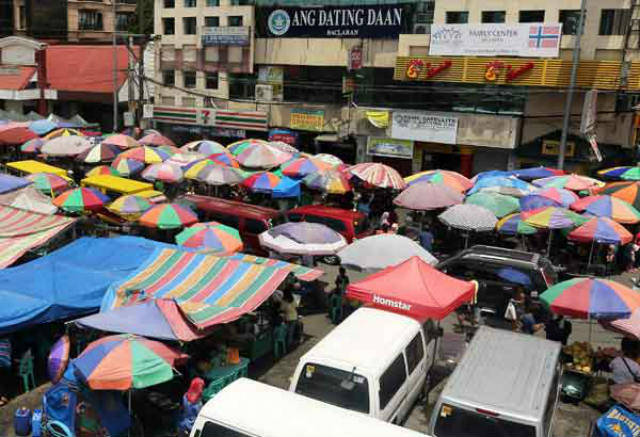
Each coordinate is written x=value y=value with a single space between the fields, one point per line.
x=625 y=368
x=529 y=323
x=191 y=405
x=558 y=328
x=289 y=311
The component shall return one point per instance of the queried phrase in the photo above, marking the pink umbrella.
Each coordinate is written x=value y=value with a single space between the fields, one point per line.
x=155 y=139
x=425 y=196
x=378 y=175
x=629 y=327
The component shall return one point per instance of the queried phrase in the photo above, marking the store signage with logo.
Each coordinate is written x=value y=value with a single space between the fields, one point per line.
x=307 y=119
x=225 y=36
x=284 y=135
x=496 y=39
x=356 y=21
x=552 y=148
x=390 y=147
x=424 y=126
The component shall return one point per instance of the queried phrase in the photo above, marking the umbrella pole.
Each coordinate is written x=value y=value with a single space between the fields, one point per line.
x=549 y=242
x=593 y=242
x=466 y=240
x=590 y=328
x=130 y=418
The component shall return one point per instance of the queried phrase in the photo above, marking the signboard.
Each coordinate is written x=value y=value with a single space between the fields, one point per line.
x=424 y=126
x=355 y=21
x=355 y=58
x=225 y=36
x=307 y=119
x=552 y=147
x=9 y=71
x=283 y=135
x=496 y=39
x=147 y=111
x=390 y=148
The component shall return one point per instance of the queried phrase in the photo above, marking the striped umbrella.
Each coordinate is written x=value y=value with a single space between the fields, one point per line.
x=155 y=139
x=192 y=170
x=378 y=175
x=168 y=216
x=262 y=182
x=127 y=166
x=607 y=206
x=103 y=170
x=332 y=160
x=499 y=204
x=216 y=175
x=206 y=147
x=49 y=183
x=224 y=159
x=627 y=191
x=99 y=153
x=548 y=197
x=329 y=181
x=121 y=141
x=441 y=177
x=32 y=146
x=146 y=154
x=163 y=172
x=571 y=182
x=65 y=132
x=301 y=167
x=211 y=237
x=81 y=200
x=242 y=145
x=551 y=217
x=130 y=206
x=514 y=225
x=469 y=217
x=262 y=156
x=601 y=230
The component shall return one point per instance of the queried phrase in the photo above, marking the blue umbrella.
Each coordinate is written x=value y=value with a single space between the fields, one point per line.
x=500 y=181
x=42 y=127
x=536 y=173
x=514 y=275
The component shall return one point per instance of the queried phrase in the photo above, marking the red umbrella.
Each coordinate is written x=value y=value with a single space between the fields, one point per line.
x=15 y=133
x=413 y=288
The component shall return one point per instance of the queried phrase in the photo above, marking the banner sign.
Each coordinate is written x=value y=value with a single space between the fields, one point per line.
x=390 y=148
x=225 y=36
x=307 y=119
x=424 y=126
x=356 y=21
x=285 y=135
x=496 y=39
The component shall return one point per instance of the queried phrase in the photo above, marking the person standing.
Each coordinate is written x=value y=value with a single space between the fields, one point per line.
x=342 y=281
x=191 y=406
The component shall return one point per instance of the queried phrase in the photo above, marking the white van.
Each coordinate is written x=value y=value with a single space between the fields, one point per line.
x=507 y=384
x=375 y=362
x=248 y=408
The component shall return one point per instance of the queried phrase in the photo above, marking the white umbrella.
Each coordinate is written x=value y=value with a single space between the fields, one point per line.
x=469 y=217
x=302 y=238
x=71 y=145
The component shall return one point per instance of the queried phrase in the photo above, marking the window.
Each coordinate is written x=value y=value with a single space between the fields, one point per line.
x=391 y=380
x=211 y=81
x=569 y=19
x=211 y=429
x=415 y=352
x=90 y=20
x=241 y=2
x=168 y=26
x=458 y=422
x=190 y=3
x=123 y=21
x=493 y=16
x=235 y=21
x=22 y=18
x=532 y=16
x=252 y=226
x=189 y=25
x=189 y=79
x=614 y=21
x=457 y=17
x=212 y=21
x=213 y=3
x=169 y=4
x=169 y=77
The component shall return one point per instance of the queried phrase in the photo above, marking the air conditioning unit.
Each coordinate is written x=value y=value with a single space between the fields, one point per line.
x=421 y=29
x=264 y=93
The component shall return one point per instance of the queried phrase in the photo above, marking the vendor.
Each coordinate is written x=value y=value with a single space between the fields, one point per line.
x=191 y=405
x=625 y=368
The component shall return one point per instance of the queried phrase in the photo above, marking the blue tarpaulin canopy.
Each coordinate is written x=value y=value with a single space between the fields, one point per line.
x=11 y=183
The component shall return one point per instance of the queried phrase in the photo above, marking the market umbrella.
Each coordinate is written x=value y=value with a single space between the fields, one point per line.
x=58 y=358
x=168 y=216
x=262 y=182
x=169 y=150
x=262 y=157
x=164 y=172
x=123 y=362
x=380 y=251
x=127 y=166
x=548 y=197
x=185 y=159
x=607 y=206
x=155 y=139
x=146 y=154
x=514 y=225
x=284 y=147
x=42 y=127
x=71 y=145
x=627 y=191
x=509 y=185
x=224 y=159
x=601 y=230
x=301 y=167
x=101 y=170
x=329 y=181
x=64 y=132
x=629 y=327
x=99 y=153
x=449 y=178
x=15 y=133
x=211 y=237
x=553 y=218
x=571 y=182
x=499 y=204
x=378 y=175
x=302 y=238
x=81 y=200
x=216 y=175
x=206 y=147
x=468 y=217
x=413 y=288
x=491 y=174
x=529 y=174
x=32 y=146
x=330 y=159
x=242 y=145
x=48 y=183
x=121 y=141
x=192 y=170
x=426 y=196
x=130 y=206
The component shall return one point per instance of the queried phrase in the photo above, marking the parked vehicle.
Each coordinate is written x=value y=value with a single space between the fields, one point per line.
x=350 y=224
x=249 y=408
x=249 y=220
x=375 y=362
x=507 y=384
x=499 y=272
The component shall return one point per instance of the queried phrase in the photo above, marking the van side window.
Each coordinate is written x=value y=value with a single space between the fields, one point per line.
x=211 y=429
x=252 y=226
x=415 y=352
x=391 y=380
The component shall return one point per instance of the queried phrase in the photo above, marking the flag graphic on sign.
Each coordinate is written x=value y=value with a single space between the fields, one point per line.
x=544 y=36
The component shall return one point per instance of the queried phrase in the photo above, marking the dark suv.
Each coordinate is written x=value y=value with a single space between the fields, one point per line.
x=499 y=272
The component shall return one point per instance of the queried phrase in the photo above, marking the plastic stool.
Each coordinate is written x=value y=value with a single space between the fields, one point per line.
x=25 y=370
x=280 y=340
x=335 y=308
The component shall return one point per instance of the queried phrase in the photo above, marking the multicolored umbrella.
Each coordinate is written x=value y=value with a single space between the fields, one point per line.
x=601 y=230
x=514 y=225
x=192 y=170
x=378 y=175
x=548 y=197
x=49 y=183
x=499 y=204
x=211 y=237
x=123 y=362
x=155 y=139
x=16 y=133
x=103 y=170
x=169 y=150
x=66 y=146
x=168 y=216
x=451 y=179
x=529 y=174
x=552 y=217
x=284 y=147
x=607 y=206
x=163 y=172
x=627 y=191
x=426 y=196
x=301 y=167
x=329 y=181
x=127 y=166
x=206 y=147
x=262 y=182
x=571 y=182
x=99 y=153
x=32 y=146
x=330 y=159
x=262 y=156
x=130 y=206
x=58 y=358
x=81 y=200
x=216 y=175
x=146 y=154
x=302 y=238
x=121 y=141
x=468 y=217
x=509 y=185
x=224 y=159
x=242 y=145
x=64 y=132
x=185 y=159
x=591 y=298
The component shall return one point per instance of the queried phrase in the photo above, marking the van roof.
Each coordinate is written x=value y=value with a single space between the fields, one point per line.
x=231 y=207
x=328 y=211
x=259 y=409
x=527 y=260
x=504 y=372
x=361 y=339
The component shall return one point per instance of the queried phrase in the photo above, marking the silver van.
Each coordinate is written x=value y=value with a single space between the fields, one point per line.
x=506 y=384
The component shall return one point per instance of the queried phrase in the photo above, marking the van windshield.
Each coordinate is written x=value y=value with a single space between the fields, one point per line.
x=333 y=386
x=457 y=422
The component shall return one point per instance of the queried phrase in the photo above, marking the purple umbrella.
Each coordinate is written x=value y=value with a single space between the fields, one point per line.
x=58 y=358
x=425 y=196
x=306 y=233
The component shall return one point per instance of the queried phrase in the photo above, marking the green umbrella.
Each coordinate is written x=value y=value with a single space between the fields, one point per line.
x=499 y=204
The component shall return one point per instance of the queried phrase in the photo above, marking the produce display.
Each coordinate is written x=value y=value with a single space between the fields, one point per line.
x=582 y=355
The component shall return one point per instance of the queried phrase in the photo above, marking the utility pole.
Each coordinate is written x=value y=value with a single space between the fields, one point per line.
x=143 y=47
x=115 y=70
x=572 y=83
x=130 y=70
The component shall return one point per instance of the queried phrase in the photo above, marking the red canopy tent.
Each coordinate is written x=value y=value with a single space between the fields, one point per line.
x=413 y=288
